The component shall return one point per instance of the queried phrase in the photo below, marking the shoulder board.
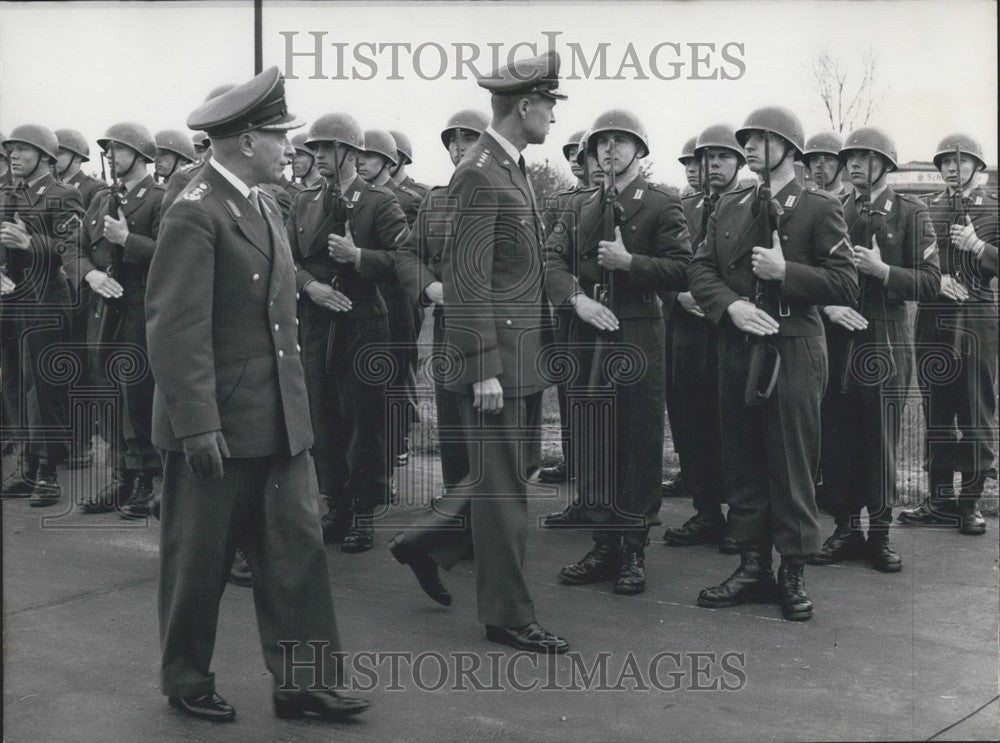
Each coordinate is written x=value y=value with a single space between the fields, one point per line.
x=381 y=189
x=934 y=197
x=693 y=197
x=821 y=194
x=910 y=198
x=417 y=186
x=664 y=189
x=195 y=192
x=187 y=167
x=160 y=186
x=314 y=187
x=481 y=159
x=739 y=193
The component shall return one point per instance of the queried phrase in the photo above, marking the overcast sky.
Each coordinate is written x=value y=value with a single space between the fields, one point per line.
x=88 y=65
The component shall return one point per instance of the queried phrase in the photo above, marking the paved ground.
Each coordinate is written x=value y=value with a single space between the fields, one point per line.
x=886 y=657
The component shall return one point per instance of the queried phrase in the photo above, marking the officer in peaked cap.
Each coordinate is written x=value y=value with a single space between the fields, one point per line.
x=232 y=418
x=492 y=277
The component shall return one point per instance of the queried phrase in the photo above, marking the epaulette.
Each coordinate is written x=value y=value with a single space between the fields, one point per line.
x=935 y=197
x=668 y=190
x=824 y=194
x=421 y=186
x=187 y=167
x=740 y=195
x=910 y=198
x=483 y=158
x=381 y=189
x=195 y=192
x=314 y=187
x=693 y=196
x=161 y=186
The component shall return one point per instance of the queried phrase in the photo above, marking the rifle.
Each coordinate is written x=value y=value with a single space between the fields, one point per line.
x=706 y=197
x=961 y=210
x=336 y=209
x=765 y=358
x=115 y=252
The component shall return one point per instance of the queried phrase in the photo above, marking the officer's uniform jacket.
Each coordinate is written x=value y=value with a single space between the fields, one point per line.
x=181 y=177
x=410 y=195
x=496 y=322
x=52 y=213
x=221 y=325
x=378 y=227
x=816 y=247
x=87 y=186
x=655 y=233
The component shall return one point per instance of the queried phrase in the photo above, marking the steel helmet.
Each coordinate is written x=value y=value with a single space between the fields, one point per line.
x=74 y=141
x=382 y=143
x=340 y=128
x=131 y=135
x=200 y=139
x=573 y=141
x=620 y=120
x=403 y=146
x=581 y=151
x=720 y=136
x=470 y=119
x=219 y=90
x=299 y=143
x=824 y=143
x=37 y=136
x=687 y=151
x=3 y=150
x=776 y=120
x=177 y=142
x=873 y=139
x=968 y=145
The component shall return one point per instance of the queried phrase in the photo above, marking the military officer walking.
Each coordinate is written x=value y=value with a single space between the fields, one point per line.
x=772 y=356
x=231 y=414
x=870 y=348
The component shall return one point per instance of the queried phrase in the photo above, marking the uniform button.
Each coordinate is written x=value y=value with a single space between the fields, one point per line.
x=509 y=323
x=298 y=347
x=727 y=233
x=281 y=354
x=256 y=277
x=271 y=303
x=784 y=237
x=889 y=235
x=276 y=327
x=296 y=322
x=302 y=229
x=633 y=228
x=296 y=296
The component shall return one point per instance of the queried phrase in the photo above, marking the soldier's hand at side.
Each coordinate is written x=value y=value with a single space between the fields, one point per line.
x=686 y=300
x=116 y=230
x=6 y=285
x=846 y=317
x=769 y=263
x=204 y=452
x=952 y=289
x=15 y=234
x=612 y=255
x=435 y=292
x=594 y=313
x=326 y=296
x=487 y=395
x=104 y=285
x=750 y=319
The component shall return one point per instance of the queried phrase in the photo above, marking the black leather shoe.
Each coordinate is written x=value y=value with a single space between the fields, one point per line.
x=423 y=567
x=137 y=506
x=673 y=488
x=530 y=637
x=360 y=537
x=601 y=563
x=881 y=555
x=335 y=526
x=205 y=706
x=702 y=528
x=753 y=582
x=572 y=515
x=941 y=511
x=971 y=521
x=47 y=490
x=239 y=571
x=19 y=485
x=631 y=577
x=328 y=705
x=844 y=544
x=553 y=475
x=795 y=604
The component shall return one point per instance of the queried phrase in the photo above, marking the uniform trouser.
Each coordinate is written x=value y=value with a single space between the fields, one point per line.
x=126 y=424
x=957 y=374
x=403 y=349
x=670 y=391
x=267 y=506
x=861 y=424
x=617 y=426
x=489 y=508
x=564 y=320
x=34 y=391
x=84 y=426
x=695 y=374
x=347 y=404
x=770 y=451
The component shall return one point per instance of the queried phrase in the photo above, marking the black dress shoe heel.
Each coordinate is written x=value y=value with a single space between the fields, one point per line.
x=423 y=567
x=531 y=638
x=209 y=707
x=325 y=704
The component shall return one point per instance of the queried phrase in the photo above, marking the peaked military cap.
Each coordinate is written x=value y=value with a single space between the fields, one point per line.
x=257 y=104
x=535 y=75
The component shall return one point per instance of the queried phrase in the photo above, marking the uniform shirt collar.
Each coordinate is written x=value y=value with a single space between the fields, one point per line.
x=509 y=148
x=226 y=173
x=777 y=184
x=874 y=195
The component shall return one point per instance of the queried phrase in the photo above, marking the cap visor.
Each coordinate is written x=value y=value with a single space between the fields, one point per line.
x=288 y=121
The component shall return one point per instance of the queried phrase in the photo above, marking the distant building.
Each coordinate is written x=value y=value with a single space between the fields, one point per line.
x=918 y=176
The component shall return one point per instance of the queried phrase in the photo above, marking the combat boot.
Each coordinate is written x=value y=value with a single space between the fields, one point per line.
x=47 y=490
x=881 y=556
x=601 y=563
x=795 y=604
x=361 y=536
x=572 y=515
x=631 y=577
x=939 y=507
x=970 y=518
x=138 y=504
x=702 y=528
x=845 y=543
x=22 y=482
x=554 y=474
x=753 y=582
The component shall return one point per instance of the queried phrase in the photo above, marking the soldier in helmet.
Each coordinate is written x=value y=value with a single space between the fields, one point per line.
x=343 y=234
x=692 y=171
x=772 y=356
x=870 y=349
x=695 y=357
x=39 y=222
x=173 y=150
x=120 y=231
x=304 y=164
x=418 y=269
x=201 y=143
x=73 y=152
x=410 y=193
x=961 y=324
x=821 y=158
x=618 y=478
x=4 y=165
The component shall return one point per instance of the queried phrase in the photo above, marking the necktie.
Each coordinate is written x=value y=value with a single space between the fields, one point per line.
x=254 y=198
x=520 y=164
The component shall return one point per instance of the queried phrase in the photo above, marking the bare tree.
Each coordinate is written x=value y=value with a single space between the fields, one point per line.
x=848 y=87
